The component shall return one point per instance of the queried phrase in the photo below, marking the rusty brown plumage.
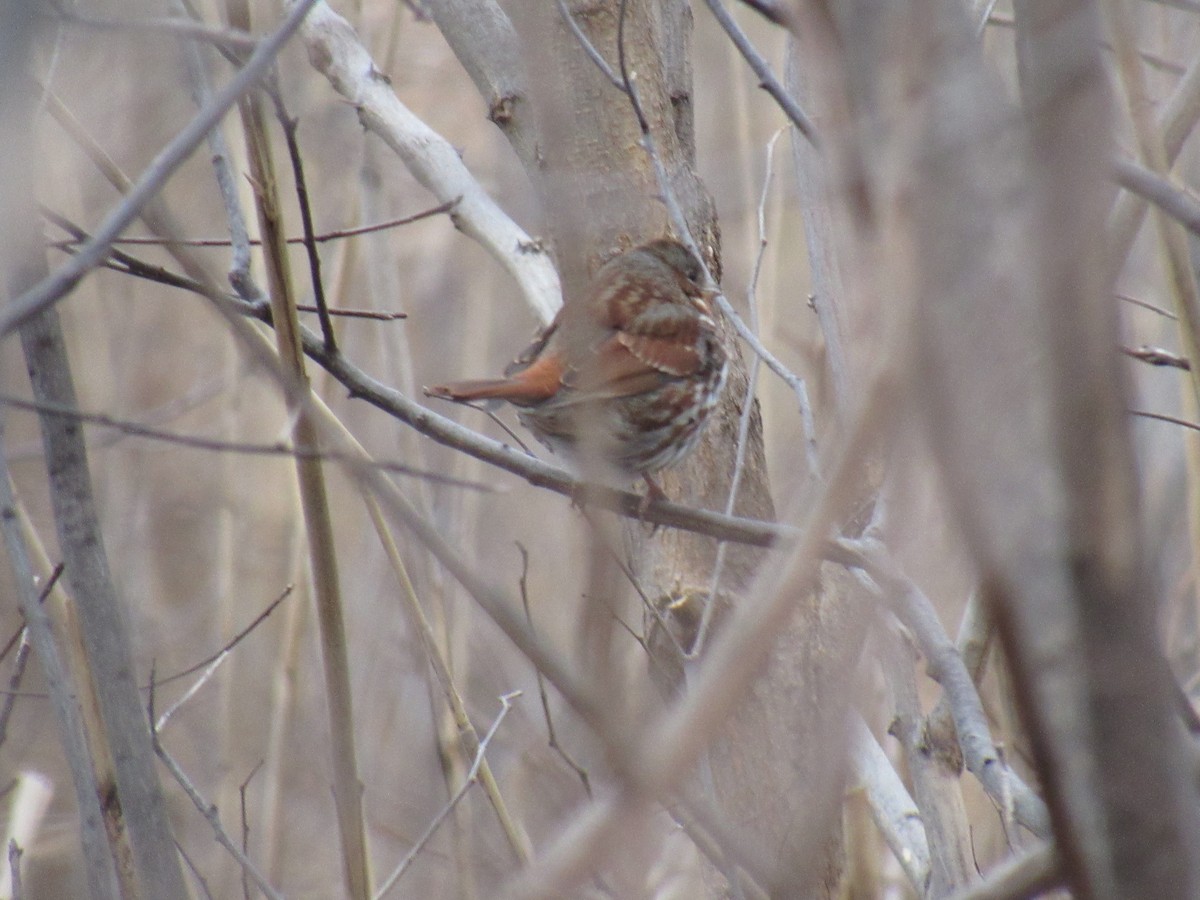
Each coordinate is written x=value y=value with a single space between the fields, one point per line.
x=637 y=369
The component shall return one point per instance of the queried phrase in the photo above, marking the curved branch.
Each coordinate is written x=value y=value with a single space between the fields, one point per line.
x=335 y=50
x=947 y=668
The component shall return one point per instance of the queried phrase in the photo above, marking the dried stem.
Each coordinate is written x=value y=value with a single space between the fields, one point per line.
x=335 y=655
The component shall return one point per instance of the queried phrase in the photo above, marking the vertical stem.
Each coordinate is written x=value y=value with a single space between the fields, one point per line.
x=347 y=789
x=97 y=862
x=138 y=796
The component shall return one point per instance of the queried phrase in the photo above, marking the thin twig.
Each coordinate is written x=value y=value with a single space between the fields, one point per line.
x=222 y=446
x=56 y=286
x=337 y=52
x=210 y=665
x=1176 y=120
x=1157 y=356
x=207 y=674
x=1152 y=149
x=208 y=660
x=324 y=237
x=223 y=170
x=119 y=261
x=355 y=313
x=769 y=82
x=501 y=424
x=210 y=813
x=191 y=867
x=944 y=665
x=589 y=48
x=231 y=643
x=228 y=38
x=679 y=222
x=773 y=12
x=291 y=140
x=468 y=736
x=246 y=825
x=14 y=683
x=1163 y=417
x=19 y=634
x=1035 y=872
x=506 y=701
x=1165 y=313
x=605 y=542
x=747 y=406
x=551 y=735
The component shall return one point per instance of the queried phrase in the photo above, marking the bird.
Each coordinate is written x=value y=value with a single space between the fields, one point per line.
x=628 y=375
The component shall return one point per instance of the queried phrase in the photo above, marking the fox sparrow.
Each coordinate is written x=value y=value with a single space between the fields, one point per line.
x=633 y=370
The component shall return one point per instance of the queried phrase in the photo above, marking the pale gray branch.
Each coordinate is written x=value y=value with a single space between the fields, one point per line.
x=214 y=820
x=336 y=51
x=892 y=809
x=946 y=667
x=98 y=863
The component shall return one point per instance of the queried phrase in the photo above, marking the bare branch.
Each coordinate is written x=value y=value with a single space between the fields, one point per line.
x=467 y=735
x=214 y=820
x=892 y=809
x=534 y=471
x=337 y=234
x=228 y=38
x=1162 y=193
x=1157 y=356
x=311 y=482
x=482 y=37
x=767 y=78
x=57 y=285
x=592 y=53
x=222 y=446
x=338 y=54
x=506 y=701
x=935 y=785
x=99 y=864
x=946 y=667
x=1175 y=120
x=743 y=432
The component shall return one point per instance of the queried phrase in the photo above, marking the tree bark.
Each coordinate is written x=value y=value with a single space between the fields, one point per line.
x=599 y=193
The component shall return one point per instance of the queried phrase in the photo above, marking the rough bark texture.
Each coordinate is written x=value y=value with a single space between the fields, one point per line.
x=599 y=193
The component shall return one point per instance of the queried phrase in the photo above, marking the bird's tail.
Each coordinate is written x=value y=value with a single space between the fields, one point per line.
x=483 y=389
x=537 y=382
